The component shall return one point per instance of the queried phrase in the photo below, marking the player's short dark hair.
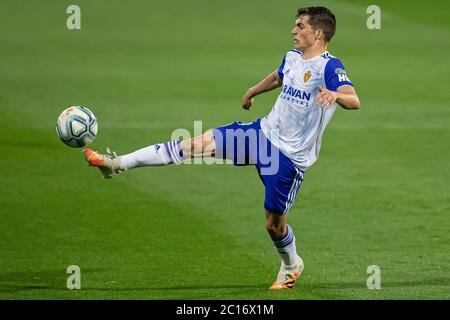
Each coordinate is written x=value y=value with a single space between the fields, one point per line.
x=320 y=18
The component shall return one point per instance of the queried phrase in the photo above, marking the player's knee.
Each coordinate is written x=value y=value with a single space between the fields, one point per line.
x=208 y=142
x=191 y=147
x=194 y=146
x=275 y=229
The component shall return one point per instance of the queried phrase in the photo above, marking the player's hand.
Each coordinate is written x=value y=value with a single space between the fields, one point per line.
x=325 y=98
x=247 y=100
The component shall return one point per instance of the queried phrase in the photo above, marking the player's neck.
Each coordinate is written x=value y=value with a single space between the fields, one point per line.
x=314 y=51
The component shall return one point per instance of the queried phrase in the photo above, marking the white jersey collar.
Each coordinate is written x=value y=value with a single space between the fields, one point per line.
x=316 y=57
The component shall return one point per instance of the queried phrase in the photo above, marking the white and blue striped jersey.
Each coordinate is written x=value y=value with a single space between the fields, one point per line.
x=296 y=123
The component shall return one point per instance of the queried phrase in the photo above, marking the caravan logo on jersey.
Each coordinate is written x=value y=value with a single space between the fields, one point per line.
x=307 y=76
x=295 y=93
x=296 y=96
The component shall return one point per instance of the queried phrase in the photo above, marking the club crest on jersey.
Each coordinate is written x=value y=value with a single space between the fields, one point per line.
x=307 y=76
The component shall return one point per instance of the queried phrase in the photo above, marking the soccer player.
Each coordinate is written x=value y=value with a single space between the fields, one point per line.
x=282 y=145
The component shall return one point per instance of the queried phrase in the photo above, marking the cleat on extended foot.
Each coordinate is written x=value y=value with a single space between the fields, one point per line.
x=287 y=276
x=107 y=163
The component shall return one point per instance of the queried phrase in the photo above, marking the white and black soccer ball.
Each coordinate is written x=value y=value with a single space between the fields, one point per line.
x=77 y=126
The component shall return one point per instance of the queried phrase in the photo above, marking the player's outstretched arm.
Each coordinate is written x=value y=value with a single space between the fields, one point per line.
x=272 y=81
x=345 y=96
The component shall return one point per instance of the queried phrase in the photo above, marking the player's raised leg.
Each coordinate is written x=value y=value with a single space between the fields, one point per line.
x=284 y=241
x=201 y=146
x=170 y=152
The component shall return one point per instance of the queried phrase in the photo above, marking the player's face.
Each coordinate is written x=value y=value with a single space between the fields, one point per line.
x=304 y=34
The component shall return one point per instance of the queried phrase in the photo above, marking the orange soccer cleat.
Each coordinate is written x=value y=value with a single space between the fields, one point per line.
x=287 y=276
x=107 y=163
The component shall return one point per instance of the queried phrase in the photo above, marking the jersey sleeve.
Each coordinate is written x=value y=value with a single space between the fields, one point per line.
x=281 y=68
x=336 y=75
x=287 y=62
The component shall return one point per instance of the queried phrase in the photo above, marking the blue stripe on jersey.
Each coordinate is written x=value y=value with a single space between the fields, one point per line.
x=294 y=189
x=291 y=192
x=280 y=69
x=295 y=50
x=335 y=75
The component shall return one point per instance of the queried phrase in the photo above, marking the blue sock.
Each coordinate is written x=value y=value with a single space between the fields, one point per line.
x=286 y=247
x=174 y=151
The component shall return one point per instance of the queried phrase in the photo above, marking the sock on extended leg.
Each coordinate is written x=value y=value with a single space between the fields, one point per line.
x=286 y=247
x=155 y=155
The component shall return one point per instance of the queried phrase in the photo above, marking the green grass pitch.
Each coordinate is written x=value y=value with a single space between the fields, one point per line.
x=378 y=195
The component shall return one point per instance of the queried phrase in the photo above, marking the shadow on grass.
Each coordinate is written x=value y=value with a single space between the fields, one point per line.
x=181 y=288
x=5 y=288
x=11 y=282
x=442 y=281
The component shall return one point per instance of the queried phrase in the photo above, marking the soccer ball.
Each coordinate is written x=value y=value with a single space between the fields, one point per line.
x=77 y=126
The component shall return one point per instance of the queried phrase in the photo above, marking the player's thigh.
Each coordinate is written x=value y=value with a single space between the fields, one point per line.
x=281 y=188
x=238 y=142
